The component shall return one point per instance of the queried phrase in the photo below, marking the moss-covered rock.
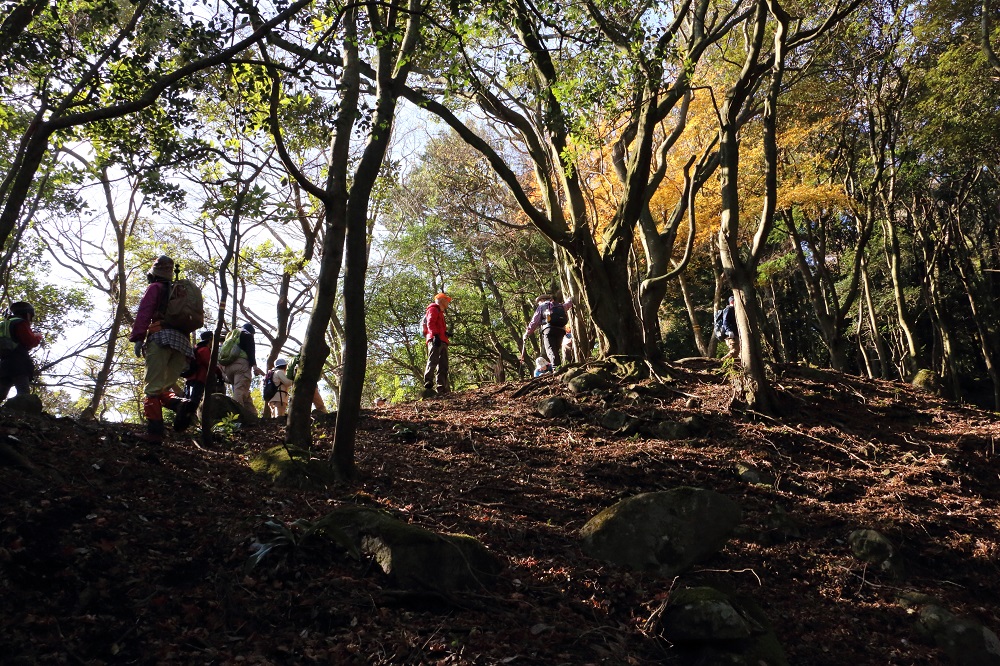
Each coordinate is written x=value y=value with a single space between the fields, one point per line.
x=590 y=380
x=294 y=468
x=416 y=558
x=662 y=532
x=927 y=380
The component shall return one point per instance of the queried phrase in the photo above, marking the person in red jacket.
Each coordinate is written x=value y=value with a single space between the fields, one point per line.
x=165 y=350
x=16 y=367
x=196 y=378
x=436 y=334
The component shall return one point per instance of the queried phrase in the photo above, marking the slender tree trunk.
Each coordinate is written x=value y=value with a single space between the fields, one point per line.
x=315 y=349
x=881 y=348
x=913 y=358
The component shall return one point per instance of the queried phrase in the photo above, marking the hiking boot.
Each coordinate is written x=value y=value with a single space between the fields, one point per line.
x=182 y=415
x=154 y=433
x=428 y=393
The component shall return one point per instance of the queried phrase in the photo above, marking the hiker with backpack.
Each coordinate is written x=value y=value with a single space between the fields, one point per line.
x=237 y=355
x=435 y=333
x=551 y=318
x=292 y=368
x=727 y=329
x=166 y=309
x=276 y=387
x=16 y=340
x=196 y=376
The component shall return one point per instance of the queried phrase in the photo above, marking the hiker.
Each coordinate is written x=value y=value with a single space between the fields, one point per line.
x=196 y=376
x=542 y=366
x=166 y=352
x=16 y=367
x=279 y=387
x=728 y=330
x=567 y=344
x=292 y=368
x=240 y=371
x=551 y=317
x=436 y=334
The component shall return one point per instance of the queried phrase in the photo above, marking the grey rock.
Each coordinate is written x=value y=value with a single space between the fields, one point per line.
x=668 y=430
x=416 y=558
x=704 y=614
x=221 y=406
x=711 y=628
x=662 y=532
x=750 y=474
x=966 y=642
x=552 y=407
x=620 y=422
x=870 y=546
x=588 y=381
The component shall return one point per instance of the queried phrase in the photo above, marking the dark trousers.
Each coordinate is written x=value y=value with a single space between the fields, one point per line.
x=552 y=345
x=437 y=367
x=17 y=370
x=193 y=390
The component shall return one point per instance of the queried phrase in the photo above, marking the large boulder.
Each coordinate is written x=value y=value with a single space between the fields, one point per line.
x=662 y=532
x=416 y=558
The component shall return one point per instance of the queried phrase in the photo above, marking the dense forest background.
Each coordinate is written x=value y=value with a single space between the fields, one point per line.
x=324 y=168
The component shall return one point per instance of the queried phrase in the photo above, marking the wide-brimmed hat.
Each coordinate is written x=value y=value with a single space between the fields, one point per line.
x=541 y=363
x=280 y=363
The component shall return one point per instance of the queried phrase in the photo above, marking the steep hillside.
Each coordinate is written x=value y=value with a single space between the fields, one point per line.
x=116 y=552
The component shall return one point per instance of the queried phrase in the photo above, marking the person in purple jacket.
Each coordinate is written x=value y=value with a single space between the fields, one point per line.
x=551 y=318
x=166 y=352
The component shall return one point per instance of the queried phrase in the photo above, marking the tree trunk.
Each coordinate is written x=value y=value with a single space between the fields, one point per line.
x=315 y=349
x=881 y=348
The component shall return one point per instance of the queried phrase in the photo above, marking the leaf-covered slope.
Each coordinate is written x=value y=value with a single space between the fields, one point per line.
x=115 y=552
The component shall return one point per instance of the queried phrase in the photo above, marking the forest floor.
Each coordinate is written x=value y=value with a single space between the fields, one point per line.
x=113 y=551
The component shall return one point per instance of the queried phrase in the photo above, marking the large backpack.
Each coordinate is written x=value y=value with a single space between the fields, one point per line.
x=230 y=349
x=7 y=343
x=184 y=310
x=720 y=326
x=556 y=316
x=270 y=388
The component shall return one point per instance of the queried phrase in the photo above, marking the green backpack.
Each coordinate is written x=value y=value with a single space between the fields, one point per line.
x=293 y=367
x=7 y=343
x=230 y=350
